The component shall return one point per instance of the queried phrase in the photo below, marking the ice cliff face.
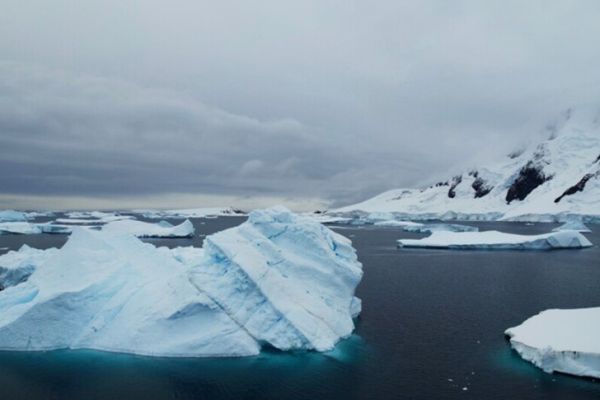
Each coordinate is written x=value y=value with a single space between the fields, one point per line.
x=549 y=181
x=278 y=279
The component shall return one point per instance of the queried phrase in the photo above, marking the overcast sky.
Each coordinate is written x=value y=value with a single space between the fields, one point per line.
x=116 y=104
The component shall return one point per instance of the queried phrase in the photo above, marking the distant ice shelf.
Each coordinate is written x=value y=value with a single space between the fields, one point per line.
x=564 y=341
x=494 y=240
x=277 y=280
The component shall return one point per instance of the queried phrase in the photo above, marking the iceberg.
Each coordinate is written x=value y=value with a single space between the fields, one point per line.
x=206 y=212
x=494 y=240
x=12 y=216
x=277 y=280
x=55 y=228
x=561 y=340
x=19 y=228
x=421 y=228
x=573 y=225
x=163 y=229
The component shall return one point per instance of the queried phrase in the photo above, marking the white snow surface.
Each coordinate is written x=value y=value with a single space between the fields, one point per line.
x=564 y=160
x=277 y=279
x=494 y=240
x=163 y=229
x=561 y=340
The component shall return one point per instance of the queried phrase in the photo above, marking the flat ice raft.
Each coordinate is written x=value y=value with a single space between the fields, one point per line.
x=566 y=341
x=494 y=240
x=278 y=279
x=163 y=229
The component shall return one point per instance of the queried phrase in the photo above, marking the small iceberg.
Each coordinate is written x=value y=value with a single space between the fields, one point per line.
x=12 y=216
x=278 y=280
x=206 y=212
x=406 y=225
x=55 y=228
x=564 y=341
x=573 y=225
x=424 y=228
x=494 y=240
x=141 y=229
x=19 y=228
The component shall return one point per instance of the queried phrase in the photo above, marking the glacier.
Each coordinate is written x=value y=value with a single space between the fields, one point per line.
x=554 y=180
x=494 y=240
x=163 y=229
x=561 y=340
x=278 y=279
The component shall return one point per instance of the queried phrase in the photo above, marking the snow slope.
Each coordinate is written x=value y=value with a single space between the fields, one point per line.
x=561 y=340
x=547 y=182
x=494 y=240
x=277 y=279
x=146 y=229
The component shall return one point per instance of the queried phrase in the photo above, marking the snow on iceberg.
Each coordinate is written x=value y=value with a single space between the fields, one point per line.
x=163 y=229
x=12 y=216
x=268 y=256
x=561 y=340
x=277 y=279
x=573 y=225
x=494 y=240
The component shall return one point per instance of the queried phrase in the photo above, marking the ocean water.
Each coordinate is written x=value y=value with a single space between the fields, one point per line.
x=431 y=328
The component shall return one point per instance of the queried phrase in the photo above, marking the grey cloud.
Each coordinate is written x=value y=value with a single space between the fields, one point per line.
x=335 y=100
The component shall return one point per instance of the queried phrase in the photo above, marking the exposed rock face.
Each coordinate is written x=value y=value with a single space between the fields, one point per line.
x=455 y=182
x=578 y=187
x=530 y=177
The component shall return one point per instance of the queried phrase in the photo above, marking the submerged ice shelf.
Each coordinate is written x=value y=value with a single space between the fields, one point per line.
x=278 y=279
x=566 y=341
x=494 y=240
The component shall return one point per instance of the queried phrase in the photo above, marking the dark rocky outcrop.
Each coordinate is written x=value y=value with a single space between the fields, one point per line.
x=578 y=187
x=530 y=177
x=481 y=187
x=455 y=182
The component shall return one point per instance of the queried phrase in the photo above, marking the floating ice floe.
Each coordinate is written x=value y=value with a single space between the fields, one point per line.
x=49 y=227
x=402 y=224
x=494 y=240
x=278 y=279
x=564 y=341
x=206 y=212
x=163 y=229
x=98 y=220
x=12 y=216
x=19 y=228
x=573 y=225
x=440 y=228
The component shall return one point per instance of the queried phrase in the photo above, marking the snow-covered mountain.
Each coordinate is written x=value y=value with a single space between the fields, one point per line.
x=548 y=181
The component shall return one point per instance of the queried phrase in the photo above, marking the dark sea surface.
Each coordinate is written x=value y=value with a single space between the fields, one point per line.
x=431 y=328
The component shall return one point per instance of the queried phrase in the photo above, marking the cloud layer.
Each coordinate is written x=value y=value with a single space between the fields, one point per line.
x=324 y=101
